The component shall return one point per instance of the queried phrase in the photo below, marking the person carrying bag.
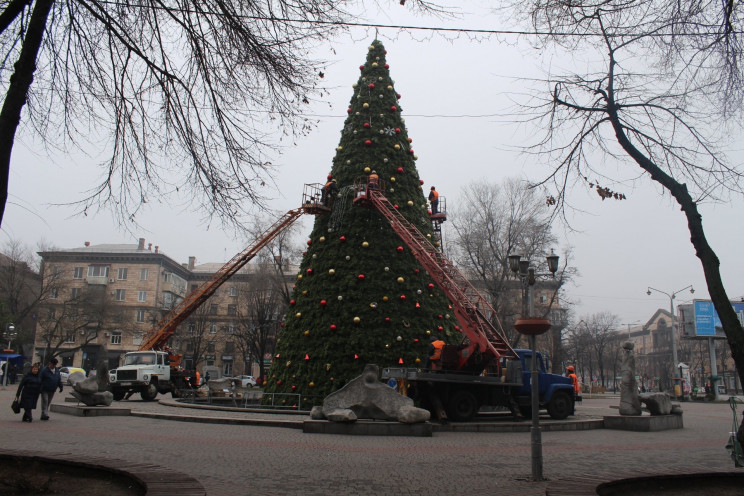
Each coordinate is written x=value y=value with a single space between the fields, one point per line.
x=16 y=405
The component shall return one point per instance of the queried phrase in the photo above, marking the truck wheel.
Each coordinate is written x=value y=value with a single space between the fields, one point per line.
x=149 y=393
x=560 y=406
x=462 y=406
x=119 y=395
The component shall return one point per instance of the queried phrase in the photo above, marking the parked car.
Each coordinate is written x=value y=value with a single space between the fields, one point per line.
x=246 y=380
x=65 y=372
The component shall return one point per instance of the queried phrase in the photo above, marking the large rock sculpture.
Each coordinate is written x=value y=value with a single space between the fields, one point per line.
x=93 y=391
x=365 y=397
x=629 y=402
x=657 y=403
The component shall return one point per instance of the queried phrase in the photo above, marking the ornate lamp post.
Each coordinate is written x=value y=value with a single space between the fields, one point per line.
x=11 y=334
x=532 y=327
x=675 y=378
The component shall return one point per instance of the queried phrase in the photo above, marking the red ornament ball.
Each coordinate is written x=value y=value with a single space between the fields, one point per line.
x=415 y=340
x=292 y=302
x=371 y=86
x=361 y=67
x=418 y=305
x=279 y=382
x=387 y=319
x=397 y=130
x=333 y=327
x=329 y=176
x=368 y=142
x=323 y=303
x=415 y=271
x=410 y=150
x=342 y=239
x=410 y=140
x=366 y=125
x=294 y=387
x=307 y=357
x=440 y=328
x=309 y=272
x=360 y=277
x=387 y=66
x=400 y=170
x=309 y=242
x=399 y=249
x=421 y=182
x=396 y=206
x=403 y=297
x=397 y=95
x=393 y=108
x=431 y=285
x=348 y=110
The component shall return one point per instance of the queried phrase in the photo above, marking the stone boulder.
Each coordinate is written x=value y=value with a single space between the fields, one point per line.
x=76 y=377
x=93 y=390
x=365 y=397
x=657 y=403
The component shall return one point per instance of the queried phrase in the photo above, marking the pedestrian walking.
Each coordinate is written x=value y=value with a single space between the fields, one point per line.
x=28 y=392
x=50 y=382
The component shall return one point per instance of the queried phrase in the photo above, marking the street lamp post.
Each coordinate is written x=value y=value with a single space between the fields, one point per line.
x=532 y=327
x=11 y=335
x=674 y=334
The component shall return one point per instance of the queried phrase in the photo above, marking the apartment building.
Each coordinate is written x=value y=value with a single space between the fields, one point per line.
x=109 y=296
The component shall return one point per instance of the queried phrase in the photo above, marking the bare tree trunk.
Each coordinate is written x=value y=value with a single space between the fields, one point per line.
x=708 y=258
x=15 y=98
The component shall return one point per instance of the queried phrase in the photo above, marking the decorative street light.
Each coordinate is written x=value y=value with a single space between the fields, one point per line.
x=674 y=335
x=531 y=327
x=11 y=334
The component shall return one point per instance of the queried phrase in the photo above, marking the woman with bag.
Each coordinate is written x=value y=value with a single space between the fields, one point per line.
x=28 y=392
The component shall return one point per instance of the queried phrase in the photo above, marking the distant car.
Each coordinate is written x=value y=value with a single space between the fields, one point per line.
x=246 y=380
x=65 y=372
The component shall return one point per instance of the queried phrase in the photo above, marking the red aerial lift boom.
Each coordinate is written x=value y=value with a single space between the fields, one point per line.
x=486 y=344
x=161 y=333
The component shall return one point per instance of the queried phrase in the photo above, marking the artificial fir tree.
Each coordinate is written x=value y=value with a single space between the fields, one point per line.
x=360 y=296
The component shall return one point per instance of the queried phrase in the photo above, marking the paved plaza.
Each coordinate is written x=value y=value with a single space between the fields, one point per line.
x=259 y=460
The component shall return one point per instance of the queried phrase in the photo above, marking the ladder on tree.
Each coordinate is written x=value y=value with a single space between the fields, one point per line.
x=471 y=308
x=159 y=335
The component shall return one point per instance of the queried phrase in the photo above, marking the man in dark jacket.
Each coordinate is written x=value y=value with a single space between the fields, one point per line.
x=50 y=381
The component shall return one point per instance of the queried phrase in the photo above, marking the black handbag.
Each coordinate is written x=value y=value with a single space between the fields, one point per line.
x=16 y=406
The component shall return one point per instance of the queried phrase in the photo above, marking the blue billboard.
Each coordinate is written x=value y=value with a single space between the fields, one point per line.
x=706 y=317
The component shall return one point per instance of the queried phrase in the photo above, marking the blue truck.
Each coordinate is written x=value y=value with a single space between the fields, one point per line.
x=459 y=396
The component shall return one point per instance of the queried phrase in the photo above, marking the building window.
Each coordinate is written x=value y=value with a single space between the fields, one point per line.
x=192 y=328
x=213 y=309
x=140 y=315
x=227 y=368
x=142 y=296
x=122 y=274
x=54 y=293
x=52 y=314
x=233 y=291
x=212 y=328
x=190 y=346
x=232 y=310
x=210 y=347
x=70 y=338
x=229 y=348
x=77 y=273
x=209 y=361
x=120 y=294
x=231 y=329
x=76 y=292
x=543 y=299
x=116 y=337
x=98 y=271
x=144 y=273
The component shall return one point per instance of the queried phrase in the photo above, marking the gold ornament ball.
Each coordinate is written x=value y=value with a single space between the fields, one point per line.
x=331 y=271
x=387 y=346
x=367 y=170
x=384 y=298
x=307 y=333
x=428 y=236
x=364 y=105
x=289 y=363
x=401 y=280
x=428 y=333
x=410 y=203
x=374 y=64
x=311 y=384
x=438 y=244
x=371 y=47
x=299 y=277
x=365 y=244
x=392 y=179
x=399 y=338
x=418 y=360
x=397 y=146
x=354 y=85
x=298 y=314
x=357 y=320
x=322 y=239
x=339 y=148
x=390 y=86
x=304 y=292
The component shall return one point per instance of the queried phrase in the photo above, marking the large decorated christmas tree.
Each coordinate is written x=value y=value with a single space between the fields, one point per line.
x=360 y=296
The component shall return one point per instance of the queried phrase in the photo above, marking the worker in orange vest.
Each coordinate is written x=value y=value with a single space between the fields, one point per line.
x=329 y=192
x=435 y=353
x=571 y=373
x=434 y=200
x=374 y=181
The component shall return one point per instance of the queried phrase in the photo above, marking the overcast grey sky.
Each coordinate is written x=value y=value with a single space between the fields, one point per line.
x=457 y=99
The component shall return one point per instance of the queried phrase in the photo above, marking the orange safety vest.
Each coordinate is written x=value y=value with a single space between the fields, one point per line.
x=438 y=345
x=575 y=380
x=434 y=195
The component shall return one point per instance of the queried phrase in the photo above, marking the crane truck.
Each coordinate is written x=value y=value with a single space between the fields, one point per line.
x=483 y=369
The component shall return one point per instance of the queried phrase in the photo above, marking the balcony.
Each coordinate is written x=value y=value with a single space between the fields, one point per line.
x=97 y=280
x=176 y=289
